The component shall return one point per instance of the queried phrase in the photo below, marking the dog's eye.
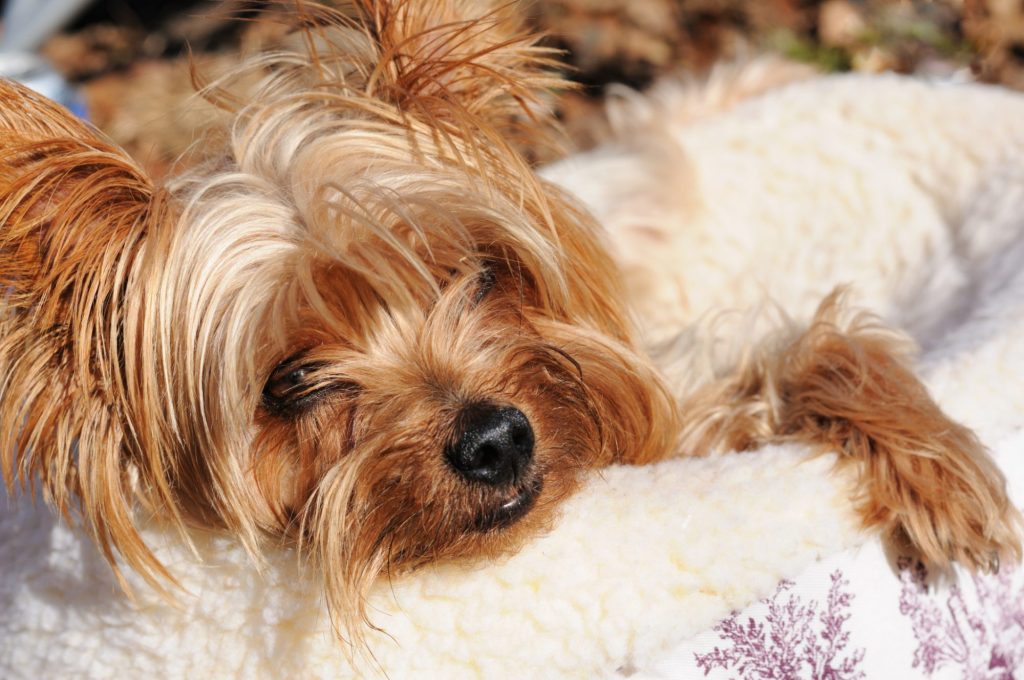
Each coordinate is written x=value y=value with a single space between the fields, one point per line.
x=288 y=380
x=295 y=385
x=485 y=283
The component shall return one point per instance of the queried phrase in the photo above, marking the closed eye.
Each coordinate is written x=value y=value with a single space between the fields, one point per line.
x=297 y=384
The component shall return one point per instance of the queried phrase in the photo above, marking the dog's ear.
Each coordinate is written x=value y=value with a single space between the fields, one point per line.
x=66 y=197
x=474 y=55
x=75 y=211
x=450 y=65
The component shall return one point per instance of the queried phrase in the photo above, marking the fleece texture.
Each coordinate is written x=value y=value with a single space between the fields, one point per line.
x=642 y=558
x=912 y=192
x=905 y=189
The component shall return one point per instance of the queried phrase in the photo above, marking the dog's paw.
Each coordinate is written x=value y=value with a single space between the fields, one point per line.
x=945 y=501
x=922 y=476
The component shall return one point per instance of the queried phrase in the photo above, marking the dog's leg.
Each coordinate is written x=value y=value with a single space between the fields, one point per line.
x=848 y=388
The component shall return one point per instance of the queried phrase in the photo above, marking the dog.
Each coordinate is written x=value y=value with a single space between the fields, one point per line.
x=365 y=327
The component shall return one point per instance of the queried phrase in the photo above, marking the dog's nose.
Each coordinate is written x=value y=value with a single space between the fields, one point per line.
x=496 y=444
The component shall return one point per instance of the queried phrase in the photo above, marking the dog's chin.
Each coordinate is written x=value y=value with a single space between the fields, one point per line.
x=513 y=507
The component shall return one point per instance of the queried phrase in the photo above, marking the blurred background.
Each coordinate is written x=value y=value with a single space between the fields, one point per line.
x=128 y=59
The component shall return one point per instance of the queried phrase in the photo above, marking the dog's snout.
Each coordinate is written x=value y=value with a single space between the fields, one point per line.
x=496 y=444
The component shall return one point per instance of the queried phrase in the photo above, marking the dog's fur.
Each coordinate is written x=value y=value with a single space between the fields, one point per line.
x=288 y=341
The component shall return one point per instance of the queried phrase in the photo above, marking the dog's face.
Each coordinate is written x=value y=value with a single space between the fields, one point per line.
x=433 y=359
x=364 y=326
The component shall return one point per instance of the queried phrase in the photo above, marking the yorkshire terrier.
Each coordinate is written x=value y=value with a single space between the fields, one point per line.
x=365 y=327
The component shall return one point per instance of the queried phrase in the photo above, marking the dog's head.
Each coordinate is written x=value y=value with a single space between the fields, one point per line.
x=363 y=325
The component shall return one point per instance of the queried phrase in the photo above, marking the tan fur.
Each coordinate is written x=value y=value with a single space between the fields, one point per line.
x=845 y=385
x=346 y=220
x=339 y=234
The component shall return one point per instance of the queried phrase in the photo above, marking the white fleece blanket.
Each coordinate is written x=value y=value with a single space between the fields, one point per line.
x=644 y=562
x=642 y=559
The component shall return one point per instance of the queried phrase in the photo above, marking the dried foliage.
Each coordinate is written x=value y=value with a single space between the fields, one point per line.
x=133 y=66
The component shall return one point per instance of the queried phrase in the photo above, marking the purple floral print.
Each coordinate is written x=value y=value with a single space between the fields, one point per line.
x=984 y=638
x=795 y=640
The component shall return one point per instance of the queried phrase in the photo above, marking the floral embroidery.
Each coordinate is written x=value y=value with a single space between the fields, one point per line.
x=795 y=640
x=984 y=638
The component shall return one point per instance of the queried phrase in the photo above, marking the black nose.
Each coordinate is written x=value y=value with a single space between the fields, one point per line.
x=496 y=444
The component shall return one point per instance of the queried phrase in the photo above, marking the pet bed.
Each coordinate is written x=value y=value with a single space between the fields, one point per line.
x=730 y=565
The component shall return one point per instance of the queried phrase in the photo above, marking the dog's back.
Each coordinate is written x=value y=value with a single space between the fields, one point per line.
x=862 y=180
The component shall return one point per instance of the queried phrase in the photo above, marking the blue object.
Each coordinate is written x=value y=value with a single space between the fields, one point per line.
x=36 y=73
x=27 y=24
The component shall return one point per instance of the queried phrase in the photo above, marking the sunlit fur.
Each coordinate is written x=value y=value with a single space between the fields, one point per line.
x=845 y=384
x=357 y=201
x=367 y=218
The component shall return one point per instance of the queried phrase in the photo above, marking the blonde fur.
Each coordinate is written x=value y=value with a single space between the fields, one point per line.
x=284 y=342
x=345 y=223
